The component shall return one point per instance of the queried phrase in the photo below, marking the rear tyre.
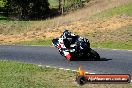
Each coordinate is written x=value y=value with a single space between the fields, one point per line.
x=94 y=55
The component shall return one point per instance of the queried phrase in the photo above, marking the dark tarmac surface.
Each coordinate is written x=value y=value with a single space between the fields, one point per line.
x=112 y=61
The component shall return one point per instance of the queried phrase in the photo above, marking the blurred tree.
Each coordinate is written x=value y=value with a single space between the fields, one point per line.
x=27 y=9
x=2 y=3
x=39 y=8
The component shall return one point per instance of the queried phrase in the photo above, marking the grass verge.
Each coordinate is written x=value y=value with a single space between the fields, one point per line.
x=114 y=39
x=117 y=39
x=23 y=75
x=113 y=45
x=45 y=42
x=120 y=10
x=107 y=44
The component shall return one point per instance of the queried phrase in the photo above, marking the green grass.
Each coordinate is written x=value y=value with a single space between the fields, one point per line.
x=106 y=44
x=113 y=45
x=23 y=75
x=68 y=3
x=45 y=42
x=54 y=3
x=2 y=3
x=121 y=10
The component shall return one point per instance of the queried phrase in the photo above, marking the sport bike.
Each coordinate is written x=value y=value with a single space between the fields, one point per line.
x=77 y=47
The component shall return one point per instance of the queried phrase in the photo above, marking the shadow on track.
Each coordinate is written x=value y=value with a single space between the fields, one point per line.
x=86 y=59
x=104 y=59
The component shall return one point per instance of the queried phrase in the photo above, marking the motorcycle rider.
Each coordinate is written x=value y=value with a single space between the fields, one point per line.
x=65 y=40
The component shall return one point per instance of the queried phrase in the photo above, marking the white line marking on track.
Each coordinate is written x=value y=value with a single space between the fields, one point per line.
x=74 y=70
x=47 y=66
x=61 y=68
x=91 y=73
x=3 y=60
x=55 y=67
x=69 y=69
x=40 y=65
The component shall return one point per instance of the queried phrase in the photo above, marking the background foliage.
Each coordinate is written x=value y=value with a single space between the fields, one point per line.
x=37 y=9
x=26 y=9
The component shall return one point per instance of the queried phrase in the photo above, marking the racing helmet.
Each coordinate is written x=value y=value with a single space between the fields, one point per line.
x=67 y=34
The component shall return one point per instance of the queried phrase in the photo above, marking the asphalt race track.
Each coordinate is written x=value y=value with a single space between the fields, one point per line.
x=112 y=61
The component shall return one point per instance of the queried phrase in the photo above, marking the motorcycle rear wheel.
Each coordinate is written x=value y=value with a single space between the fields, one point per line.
x=94 y=55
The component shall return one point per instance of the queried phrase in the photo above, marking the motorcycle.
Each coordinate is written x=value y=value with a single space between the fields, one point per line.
x=78 y=50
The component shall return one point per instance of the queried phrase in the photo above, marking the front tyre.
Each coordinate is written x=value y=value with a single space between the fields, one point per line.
x=94 y=55
x=55 y=42
x=61 y=52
